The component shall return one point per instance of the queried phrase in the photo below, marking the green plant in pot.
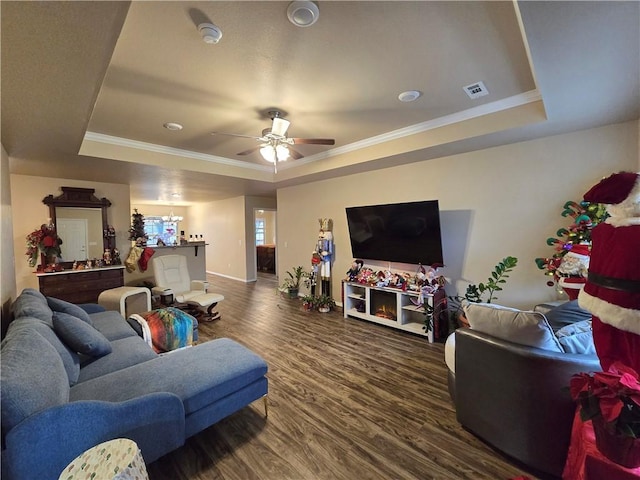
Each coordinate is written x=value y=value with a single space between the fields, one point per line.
x=483 y=292
x=308 y=302
x=324 y=303
x=291 y=284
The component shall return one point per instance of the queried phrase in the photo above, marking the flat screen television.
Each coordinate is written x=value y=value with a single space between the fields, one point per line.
x=396 y=232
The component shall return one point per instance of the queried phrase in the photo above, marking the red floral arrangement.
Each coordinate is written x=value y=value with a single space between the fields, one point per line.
x=615 y=395
x=45 y=240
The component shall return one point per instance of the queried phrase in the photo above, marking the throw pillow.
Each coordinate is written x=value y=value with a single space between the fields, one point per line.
x=566 y=314
x=80 y=336
x=577 y=338
x=517 y=326
x=31 y=305
x=32 y=377
x=58 y=305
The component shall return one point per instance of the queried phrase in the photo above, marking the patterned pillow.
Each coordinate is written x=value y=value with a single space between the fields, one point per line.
x=80 y=336
x=517 y=326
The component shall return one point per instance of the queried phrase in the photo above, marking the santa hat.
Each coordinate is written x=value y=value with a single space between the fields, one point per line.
x=580 y=251
x=613 y=189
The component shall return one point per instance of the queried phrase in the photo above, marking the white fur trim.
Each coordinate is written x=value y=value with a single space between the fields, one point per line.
x=622 y=222
x=628 y=208
x=626 y=319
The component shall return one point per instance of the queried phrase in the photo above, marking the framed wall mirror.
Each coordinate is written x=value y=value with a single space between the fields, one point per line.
x=81 y=222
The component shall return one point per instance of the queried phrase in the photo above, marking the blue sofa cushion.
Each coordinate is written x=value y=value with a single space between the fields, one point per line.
x=565 y=314
x=36 y=293
x=70 y=359
x=63 y=306
x=125 y=353
x=199 y=375
x=112 y=325
x=32 y=377
x=80 y=336
x=577 y=338
x=31 y=303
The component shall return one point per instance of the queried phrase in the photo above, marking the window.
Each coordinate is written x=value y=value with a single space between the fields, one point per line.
x=259 y=231
x=157 y=229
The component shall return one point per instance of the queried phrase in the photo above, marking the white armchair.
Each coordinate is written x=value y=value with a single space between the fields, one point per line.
x=171 y=276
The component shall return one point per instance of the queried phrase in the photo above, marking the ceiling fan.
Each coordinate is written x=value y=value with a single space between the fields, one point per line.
x=275 y=146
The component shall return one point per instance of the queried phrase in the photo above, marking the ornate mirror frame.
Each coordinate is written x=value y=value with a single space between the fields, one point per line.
x=83 y=198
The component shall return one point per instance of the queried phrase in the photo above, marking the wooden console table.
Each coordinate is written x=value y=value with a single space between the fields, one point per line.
x=81 y=286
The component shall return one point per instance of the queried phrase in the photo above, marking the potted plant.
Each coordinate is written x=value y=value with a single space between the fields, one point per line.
x=291 y=284
x=483 y=292
x=324 y=303
x=308 y=302
x=612 y=401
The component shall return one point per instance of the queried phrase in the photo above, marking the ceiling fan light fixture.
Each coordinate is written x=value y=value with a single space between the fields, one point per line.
x=268 y=153
x=303 y=13
x=282 y=152
x=210 y=33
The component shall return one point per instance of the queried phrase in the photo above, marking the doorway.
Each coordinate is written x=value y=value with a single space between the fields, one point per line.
x=264 y=234
x=75 y=233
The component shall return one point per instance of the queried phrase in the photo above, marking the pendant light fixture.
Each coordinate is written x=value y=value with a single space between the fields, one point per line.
x=172 y=218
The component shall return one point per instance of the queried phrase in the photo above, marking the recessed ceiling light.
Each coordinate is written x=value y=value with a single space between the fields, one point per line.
x=176 y=195
x=409 y=96
x=303 y=13
x=210 y=33
x=172 y=126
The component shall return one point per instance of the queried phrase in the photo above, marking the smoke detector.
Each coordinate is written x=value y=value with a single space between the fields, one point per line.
x=210 y=33
x=303 y=13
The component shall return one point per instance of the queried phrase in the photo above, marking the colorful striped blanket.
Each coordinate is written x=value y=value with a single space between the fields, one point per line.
x=166 y=329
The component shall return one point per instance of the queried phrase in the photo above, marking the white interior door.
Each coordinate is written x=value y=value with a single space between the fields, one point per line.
x=75 y=238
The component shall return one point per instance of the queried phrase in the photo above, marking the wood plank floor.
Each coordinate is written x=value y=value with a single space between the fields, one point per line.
x=347 y=400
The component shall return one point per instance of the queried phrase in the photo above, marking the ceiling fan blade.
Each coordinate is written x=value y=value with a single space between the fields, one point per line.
x=251 y=150
x=236 y=135
x=294 y=154
x=280 y=126
x=313 y=141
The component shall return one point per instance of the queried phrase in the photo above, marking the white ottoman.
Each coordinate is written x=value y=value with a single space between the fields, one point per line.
x=126 y=300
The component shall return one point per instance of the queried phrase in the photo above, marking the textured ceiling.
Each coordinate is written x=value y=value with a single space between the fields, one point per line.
x=91 y=90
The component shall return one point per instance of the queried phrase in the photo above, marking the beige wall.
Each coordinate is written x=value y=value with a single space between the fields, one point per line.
x=29 y=212
x=228 y=229
x=7 y=258
x=495 y=202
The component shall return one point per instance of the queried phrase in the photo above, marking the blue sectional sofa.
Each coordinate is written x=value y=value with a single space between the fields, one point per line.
x=71 y=379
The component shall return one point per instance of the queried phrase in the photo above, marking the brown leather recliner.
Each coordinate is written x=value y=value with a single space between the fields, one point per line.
x=516 y=398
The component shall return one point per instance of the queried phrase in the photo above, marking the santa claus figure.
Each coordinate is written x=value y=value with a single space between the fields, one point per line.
x=573 y=269
x=612 y=291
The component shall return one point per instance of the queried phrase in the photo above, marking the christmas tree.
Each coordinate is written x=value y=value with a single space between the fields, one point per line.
x=574 y=239
x=137 y=227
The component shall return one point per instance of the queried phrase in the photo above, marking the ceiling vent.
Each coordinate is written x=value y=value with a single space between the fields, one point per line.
x=476 y=90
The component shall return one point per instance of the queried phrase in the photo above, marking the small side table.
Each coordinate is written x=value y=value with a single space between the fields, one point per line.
x=118 y=459
x=126 y=300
